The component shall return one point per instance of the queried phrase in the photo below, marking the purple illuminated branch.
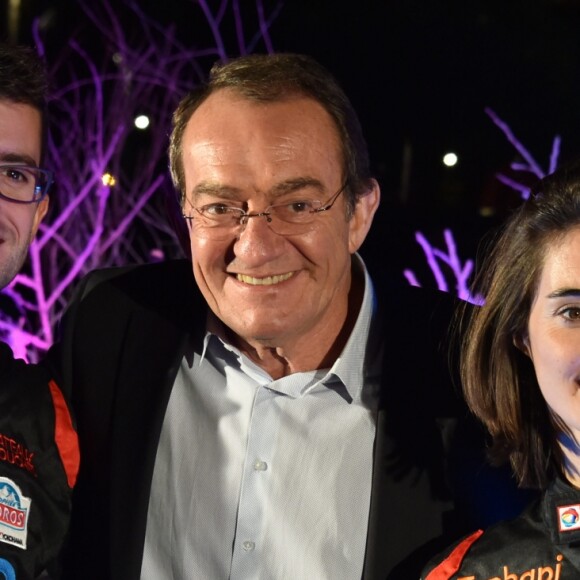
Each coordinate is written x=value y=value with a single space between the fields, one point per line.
x=432 y=261
x=126 y=221
x=555 y=154
x=524 y=190
x=139 y=68
x=530 y=165
x=449 y=258
x=214 y=24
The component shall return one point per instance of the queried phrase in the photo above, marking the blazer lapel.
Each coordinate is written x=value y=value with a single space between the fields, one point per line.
x=406 y=516
x=377 y=525
x=409 y=497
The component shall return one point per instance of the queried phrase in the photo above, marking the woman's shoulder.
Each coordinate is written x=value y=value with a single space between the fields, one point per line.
x=525 y=547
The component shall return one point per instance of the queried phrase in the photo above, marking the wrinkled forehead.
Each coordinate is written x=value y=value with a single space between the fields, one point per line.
x=227 y=104
x=229 y=130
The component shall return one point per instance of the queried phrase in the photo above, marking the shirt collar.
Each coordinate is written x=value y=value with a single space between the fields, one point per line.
x=214 y=327
x=350 y=367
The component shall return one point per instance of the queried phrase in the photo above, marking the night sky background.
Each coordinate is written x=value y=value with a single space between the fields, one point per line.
x=420 y=73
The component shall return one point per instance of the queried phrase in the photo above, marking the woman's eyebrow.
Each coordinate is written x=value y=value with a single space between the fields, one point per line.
x=564 y=292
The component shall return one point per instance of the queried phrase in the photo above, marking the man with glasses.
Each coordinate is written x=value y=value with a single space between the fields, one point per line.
x=280 y=414
x=38 y=445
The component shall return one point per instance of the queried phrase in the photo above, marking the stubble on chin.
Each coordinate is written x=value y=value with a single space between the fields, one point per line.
x=11 y=264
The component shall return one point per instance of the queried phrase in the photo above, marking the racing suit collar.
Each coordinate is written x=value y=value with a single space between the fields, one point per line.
x=562 y=512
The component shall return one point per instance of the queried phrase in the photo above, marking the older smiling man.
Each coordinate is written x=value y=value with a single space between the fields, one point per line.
x=274 y=415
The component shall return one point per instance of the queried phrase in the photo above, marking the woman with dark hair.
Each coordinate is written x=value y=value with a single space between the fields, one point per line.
x=520 y=370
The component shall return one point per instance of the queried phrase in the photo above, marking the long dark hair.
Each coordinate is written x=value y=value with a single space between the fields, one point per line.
x=498 y=379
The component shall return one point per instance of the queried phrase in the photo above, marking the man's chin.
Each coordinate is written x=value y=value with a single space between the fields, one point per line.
x=5 y=279
x=264 y=334
x=8 y=269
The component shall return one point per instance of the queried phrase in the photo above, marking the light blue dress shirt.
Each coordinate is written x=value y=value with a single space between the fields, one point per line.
x=265 y=479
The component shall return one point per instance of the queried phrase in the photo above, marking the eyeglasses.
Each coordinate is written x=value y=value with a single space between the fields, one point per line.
x=220 y=221
x=24 y=184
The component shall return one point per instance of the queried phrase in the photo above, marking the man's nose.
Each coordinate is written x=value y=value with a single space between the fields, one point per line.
x=256 y=240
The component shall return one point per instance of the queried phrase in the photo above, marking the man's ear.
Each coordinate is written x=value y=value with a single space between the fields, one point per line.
x=362 y=218
x=41 y=209
x=522 y=342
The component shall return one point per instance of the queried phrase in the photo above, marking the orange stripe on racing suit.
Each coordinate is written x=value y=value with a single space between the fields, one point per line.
x=65 y=436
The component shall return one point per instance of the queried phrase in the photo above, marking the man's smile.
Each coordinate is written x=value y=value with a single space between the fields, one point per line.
x=266 y=281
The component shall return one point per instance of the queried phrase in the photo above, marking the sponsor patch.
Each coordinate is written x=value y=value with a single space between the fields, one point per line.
x=568 y=517
x=14 y=512
x=16 y=453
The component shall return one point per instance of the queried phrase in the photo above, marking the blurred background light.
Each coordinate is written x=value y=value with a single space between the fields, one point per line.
x=450 y=159
x=142 y=122
x=109 y=180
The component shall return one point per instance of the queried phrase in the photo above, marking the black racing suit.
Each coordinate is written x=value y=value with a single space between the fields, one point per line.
x=543 y=543
x=39 y=461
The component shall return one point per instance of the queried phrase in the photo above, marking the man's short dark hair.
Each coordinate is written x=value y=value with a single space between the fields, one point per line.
x=277 y=77
x=23 y=80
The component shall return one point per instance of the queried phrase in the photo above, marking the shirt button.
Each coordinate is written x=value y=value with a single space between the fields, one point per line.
x=260 y=465
x=248 y=546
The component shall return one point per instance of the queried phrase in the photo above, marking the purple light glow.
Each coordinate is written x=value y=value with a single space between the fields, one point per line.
x=530 y=165
x=96 y=99
x=97 y=95
x=450 y=258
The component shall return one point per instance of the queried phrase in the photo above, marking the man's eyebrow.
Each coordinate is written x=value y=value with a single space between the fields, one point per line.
x=291 y=185
x=282 y=188
x=19 y=158
x=215 y=189
x=565 y=292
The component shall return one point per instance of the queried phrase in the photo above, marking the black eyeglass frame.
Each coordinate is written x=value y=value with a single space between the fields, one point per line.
x=48 y=176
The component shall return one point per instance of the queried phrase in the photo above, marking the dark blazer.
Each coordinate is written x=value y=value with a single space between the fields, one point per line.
x=122 y=342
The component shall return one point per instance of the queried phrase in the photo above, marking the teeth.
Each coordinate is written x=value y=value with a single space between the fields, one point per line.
x=267 y=281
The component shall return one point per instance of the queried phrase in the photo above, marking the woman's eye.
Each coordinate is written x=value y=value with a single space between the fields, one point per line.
x=571 y=313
